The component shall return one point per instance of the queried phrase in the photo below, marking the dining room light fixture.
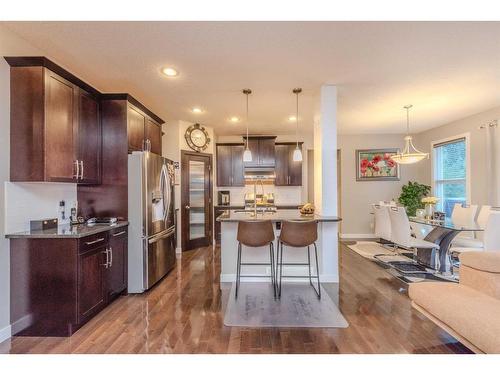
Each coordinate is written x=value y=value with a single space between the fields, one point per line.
x=247 y=154
x=297 y=153
x=410 y=153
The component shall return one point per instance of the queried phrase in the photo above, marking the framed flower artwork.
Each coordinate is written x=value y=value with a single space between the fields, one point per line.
x=377 y=165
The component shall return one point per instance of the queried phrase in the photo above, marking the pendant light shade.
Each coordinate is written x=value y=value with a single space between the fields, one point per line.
x=410 y=153
x=247 y=154
x=297 y=153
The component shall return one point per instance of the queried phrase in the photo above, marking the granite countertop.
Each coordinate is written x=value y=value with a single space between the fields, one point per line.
x=279 y=215
x=68 y=231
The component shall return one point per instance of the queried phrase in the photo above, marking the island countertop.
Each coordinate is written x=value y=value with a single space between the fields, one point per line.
x=279 y=215
x=67 y=231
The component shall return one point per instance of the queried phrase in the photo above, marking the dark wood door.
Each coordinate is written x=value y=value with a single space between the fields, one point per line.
x=135 y=128
x=116 y=280
x=238 y=171
x=294 y=168
x=196 y=200
x=91 y=291
x=224 y=164
x=266 y=152
x=253 y=145
x=153 y=136
x=281 y=170
x=60 y=118
x=89 y=138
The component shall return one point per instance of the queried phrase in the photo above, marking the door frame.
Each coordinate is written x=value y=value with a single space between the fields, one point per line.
x=185 y=196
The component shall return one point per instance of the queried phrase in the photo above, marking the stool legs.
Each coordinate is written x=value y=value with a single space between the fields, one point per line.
x=238 y=271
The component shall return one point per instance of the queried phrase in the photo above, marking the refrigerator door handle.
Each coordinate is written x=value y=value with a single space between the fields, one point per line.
x=167 y=233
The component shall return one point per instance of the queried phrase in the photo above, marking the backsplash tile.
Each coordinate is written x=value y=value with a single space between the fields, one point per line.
x=25 y=201
x=283 y=195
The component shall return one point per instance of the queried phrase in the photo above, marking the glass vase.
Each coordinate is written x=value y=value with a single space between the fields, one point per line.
x=429 y=211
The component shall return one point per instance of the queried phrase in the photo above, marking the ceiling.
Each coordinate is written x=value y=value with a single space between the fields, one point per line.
x=447 y=70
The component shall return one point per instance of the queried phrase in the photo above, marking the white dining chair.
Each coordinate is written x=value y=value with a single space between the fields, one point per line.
x=382 y=222
x=491 y=236
x=401 y=232
x=477 y=242
x=463 y=215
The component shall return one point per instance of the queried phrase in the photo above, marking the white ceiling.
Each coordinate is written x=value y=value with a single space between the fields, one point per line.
x=447 y=70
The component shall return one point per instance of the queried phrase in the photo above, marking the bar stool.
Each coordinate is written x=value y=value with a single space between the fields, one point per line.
x=298 y=234
x=255 y=233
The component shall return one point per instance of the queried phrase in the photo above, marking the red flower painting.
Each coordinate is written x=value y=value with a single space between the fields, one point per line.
x=375 y=164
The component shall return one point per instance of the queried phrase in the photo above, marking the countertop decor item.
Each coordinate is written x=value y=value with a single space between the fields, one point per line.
x=197 y=137
x=411 y=196
x=430 y=204
x=410 y=154
x=307 y=209
x=376 y=165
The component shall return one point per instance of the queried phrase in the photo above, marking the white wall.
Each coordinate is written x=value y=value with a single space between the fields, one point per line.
x=357 y=196
x=10 y=44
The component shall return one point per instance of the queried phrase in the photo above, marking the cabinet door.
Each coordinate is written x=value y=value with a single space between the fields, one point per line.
x=266 y=152
x=153 y=135
x=135 y=129
x=281 y=170
x=253 y=145
x=224 y=165
x=89 y=138
x=294 y=168
x=117 y=271
x=91 y=293
x=238 y=171
x=60 y=121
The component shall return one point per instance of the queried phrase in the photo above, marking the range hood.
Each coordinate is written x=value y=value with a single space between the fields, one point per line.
x=259 y=173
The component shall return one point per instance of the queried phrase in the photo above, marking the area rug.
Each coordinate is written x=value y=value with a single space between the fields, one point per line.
x=368 y=249
x=298 y=307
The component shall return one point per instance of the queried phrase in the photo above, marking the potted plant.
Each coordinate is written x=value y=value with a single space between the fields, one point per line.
x=411 y=196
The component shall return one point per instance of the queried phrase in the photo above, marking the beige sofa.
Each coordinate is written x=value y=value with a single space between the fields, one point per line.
x=470 y=310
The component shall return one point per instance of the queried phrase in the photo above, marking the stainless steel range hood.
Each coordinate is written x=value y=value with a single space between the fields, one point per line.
x=259 y=173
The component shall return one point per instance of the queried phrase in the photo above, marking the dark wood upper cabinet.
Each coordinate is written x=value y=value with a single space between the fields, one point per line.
x=136 y=123
x=230 y=171
x=288 y=172
x=153 y=136
x=262 y=149
x=89 y=138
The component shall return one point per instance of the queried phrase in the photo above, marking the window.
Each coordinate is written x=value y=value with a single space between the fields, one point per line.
x=450 y=168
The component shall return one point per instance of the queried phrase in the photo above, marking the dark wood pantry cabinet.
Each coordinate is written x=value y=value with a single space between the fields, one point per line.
x=230 y=171
x=288 y=172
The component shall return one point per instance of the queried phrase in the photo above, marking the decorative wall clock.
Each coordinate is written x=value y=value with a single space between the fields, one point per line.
x=197 y=137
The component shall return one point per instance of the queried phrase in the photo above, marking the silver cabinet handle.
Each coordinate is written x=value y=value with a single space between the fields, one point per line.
x=111 y=257
x=77 y=169
x=106 y=265
x=95 y=241
x=81 y=170
x=119 y=234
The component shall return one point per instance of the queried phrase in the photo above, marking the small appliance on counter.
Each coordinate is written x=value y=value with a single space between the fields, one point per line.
x=102 y=220
x=43 y=224
x=223 y=198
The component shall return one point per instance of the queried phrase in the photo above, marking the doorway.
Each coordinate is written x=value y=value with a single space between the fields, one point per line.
x=196 y=200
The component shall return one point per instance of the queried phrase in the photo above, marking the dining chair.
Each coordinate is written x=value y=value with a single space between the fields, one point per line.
x=463 y=214
x=491 y=236
x=382 y=222
x=477 y=242
x=401 y=232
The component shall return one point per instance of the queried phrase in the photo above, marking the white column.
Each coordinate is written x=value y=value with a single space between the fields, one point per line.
x=325 y=179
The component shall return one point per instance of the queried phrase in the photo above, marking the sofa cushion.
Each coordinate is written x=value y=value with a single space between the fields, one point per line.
x=485 y=261
x=471 y=314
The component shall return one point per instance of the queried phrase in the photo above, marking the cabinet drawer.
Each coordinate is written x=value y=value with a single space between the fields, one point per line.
x=93 y=241
x=118 y=232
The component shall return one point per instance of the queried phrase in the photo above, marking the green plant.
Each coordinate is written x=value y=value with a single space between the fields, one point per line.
x=411 y=196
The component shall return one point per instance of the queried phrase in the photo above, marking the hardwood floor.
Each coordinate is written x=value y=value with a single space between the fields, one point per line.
x=183 y=314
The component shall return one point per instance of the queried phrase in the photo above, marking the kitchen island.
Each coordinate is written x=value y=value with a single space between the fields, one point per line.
x=229 y=245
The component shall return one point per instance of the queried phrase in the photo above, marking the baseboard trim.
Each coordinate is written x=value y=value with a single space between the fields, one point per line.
x=354 y=235
x=178 y=250
x=5 y=333
x=230 y=278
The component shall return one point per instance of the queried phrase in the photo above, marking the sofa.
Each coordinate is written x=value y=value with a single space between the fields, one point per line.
x=468 y=310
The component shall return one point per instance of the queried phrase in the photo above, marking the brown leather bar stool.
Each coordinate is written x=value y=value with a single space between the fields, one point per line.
x=255 y=233
x=298 y=234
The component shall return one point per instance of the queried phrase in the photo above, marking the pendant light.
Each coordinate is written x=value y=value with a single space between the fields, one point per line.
x=297 y=153
x=410 y=153
x=247 y=154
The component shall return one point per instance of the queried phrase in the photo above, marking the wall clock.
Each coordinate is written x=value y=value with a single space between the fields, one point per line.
x=197 y=137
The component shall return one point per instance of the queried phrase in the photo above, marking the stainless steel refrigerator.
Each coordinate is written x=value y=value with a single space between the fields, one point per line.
x=151 y=244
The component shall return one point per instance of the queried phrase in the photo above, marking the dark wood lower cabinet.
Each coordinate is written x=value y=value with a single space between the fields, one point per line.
x=58 y=284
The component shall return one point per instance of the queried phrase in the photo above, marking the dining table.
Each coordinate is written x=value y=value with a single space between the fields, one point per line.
x=443 y=232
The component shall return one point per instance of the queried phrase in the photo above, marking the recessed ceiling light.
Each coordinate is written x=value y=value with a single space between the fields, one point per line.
x=170 y=72
x=235 y=119
x=292 y=118
x=196 y=110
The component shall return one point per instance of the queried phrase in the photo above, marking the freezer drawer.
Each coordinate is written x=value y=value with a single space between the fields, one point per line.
x=160 y=256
